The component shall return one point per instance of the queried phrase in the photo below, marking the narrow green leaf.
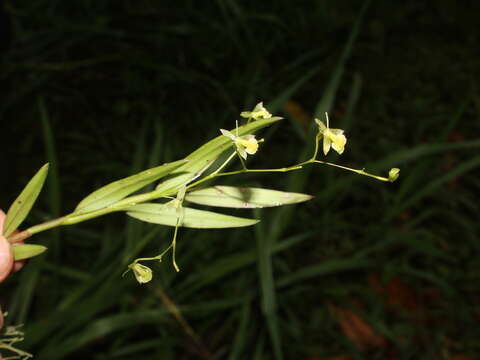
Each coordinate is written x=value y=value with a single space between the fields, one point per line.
x=192 y=218
x=27 y=251
x=206 y=155
x=117 y=190
x=244 y=198
x=23 y=203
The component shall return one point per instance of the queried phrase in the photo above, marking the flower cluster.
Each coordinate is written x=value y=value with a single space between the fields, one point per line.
x=248 y=145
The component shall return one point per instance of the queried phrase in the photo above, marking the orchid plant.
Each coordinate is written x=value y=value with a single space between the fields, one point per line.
x=165 y=205
x=184 y=179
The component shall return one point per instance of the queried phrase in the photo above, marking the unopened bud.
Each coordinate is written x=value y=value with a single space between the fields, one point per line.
x=393 y=174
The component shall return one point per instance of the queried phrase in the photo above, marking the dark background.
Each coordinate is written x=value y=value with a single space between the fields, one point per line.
x=366 y=270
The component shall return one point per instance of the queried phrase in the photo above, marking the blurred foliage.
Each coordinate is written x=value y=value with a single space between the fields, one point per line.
x=366 y=270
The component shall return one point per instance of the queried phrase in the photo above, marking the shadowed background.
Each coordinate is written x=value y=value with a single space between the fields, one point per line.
x=102 y=89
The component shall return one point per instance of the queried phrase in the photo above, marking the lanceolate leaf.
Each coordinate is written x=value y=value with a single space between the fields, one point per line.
x=192 y=218
x=241 y=197
x=206 y=155
x=27 y=251
x=119 y=189
x=23 y=203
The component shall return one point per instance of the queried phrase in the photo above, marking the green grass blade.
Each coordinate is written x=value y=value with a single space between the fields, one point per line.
x=52 y=183
x=24 y=293
x=102 y=327
x=434 y=185
x=331 y=90
x=267 y=285
x=296 y=182
x=329 y=267
x=241 y=334
x=228 y=265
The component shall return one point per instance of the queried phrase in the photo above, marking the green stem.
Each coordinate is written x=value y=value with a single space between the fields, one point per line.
x=157 y=257
x=361 y=172
x=225 y=163
x=315 y=152
x=77 y=217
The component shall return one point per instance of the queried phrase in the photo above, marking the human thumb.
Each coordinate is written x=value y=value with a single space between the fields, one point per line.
x=6 y=253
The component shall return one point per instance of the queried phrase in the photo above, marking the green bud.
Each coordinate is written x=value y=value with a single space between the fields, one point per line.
x=393 y=174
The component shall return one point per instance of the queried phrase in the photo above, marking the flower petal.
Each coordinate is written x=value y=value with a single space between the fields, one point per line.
x=338 y=143
x=228 y=134
x=321 y=125
x=241 y=151
x=326 y=144
x=251 y=146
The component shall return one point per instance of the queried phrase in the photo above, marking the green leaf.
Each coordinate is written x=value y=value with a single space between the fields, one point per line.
x=204 y=156
x=117 y=190
x=27 y=251
x=245 y=198
x=192 y=218
x=23 y=203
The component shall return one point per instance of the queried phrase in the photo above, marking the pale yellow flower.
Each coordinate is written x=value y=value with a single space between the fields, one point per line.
x=259 y=112
x=246 y=144
x=142 y=273
x=331 y=137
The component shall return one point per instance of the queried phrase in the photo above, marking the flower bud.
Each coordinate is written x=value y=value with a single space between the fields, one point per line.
x=393 y=174
x=142 y=273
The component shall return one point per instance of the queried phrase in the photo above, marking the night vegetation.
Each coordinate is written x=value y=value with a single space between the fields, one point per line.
x=365 y=270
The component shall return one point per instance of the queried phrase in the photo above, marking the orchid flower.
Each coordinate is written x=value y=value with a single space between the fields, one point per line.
x=259 y=112
x=142 y=273
x=246 y=144
x=331 y=137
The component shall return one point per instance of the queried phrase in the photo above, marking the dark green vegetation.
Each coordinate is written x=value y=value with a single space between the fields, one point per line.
x=366 y=270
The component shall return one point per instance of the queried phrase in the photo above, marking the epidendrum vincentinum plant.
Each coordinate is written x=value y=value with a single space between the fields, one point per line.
x=184 y=178
x=182 y=184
